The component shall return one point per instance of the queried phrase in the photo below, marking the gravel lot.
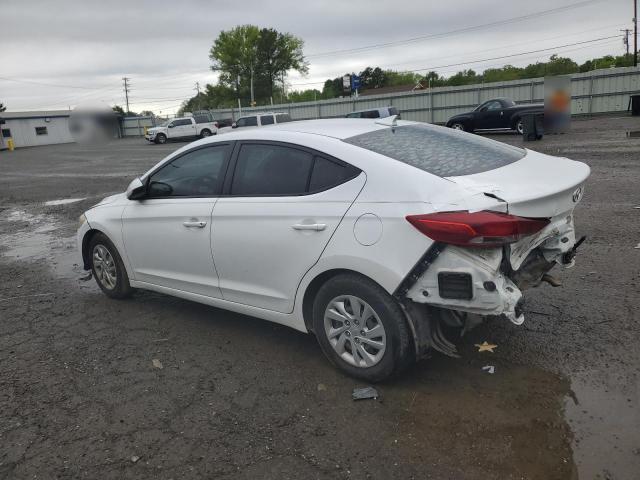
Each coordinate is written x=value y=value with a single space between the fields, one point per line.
x=236 y=397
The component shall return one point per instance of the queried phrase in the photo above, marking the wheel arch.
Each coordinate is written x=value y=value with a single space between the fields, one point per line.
x=314 y=286
x=86 y=240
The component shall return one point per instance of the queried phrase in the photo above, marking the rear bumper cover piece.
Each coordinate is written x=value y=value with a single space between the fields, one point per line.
x=498 y=275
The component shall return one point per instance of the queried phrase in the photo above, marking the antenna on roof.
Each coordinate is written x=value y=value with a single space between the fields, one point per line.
x=391 y=121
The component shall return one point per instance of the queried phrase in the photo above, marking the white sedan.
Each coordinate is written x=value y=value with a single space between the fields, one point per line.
x=370 y=234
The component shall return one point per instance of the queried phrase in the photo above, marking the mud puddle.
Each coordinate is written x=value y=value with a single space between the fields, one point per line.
x=505 y=425
x=37 y=238
x=63 y=201
x=606 y=426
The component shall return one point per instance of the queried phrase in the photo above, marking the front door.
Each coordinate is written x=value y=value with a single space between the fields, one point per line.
x=182 y=128
x=167 y=236
x=282 y=207
x=490 y=115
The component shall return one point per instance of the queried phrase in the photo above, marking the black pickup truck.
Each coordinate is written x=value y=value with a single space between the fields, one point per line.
x=499 y=113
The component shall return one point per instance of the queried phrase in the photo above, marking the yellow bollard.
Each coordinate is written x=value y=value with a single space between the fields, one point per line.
x=145 y=130
x=10 y=145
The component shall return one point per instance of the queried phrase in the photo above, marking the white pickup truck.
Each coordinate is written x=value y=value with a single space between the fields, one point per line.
x=182 y=128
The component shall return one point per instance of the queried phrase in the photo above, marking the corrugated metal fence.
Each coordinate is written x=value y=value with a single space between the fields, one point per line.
x=599 y=91
x=134 y=126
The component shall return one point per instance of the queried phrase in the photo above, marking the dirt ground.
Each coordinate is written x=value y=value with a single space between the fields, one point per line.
x=236 y=397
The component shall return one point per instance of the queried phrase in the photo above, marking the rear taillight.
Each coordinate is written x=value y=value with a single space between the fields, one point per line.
x=478 y=229
x=215 y=124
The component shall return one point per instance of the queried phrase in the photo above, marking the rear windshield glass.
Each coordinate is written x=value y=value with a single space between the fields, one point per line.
x=438 y=150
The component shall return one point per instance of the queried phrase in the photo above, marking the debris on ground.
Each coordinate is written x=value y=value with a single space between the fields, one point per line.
x=135 y=458
x=87 y=277
x=365 y=393
x=486 y=347
x=157 y=363
x=489 y=369
x=322 y=387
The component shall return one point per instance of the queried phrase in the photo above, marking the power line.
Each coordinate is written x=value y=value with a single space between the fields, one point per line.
x=17 y=80
x=457 y=31
x=491 y=58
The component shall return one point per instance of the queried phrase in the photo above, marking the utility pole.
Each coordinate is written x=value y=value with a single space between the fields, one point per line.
x=126 y=90
x=253 y=103
x=625 y=39
x=197 y=88
x=635 y=33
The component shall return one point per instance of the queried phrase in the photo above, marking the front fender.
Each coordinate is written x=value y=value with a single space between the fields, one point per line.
x=108 y=220
x=466 y=119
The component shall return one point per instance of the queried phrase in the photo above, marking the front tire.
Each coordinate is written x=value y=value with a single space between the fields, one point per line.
x=161 y=138
x=458 y=126
x=519 y=127
x=108 y=269
x=361 y=329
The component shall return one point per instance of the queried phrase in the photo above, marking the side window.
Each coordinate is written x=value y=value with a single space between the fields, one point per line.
x=393 y=111
x=197 y=173
x=183 y=122
x=264 y=169
x=247 y=122
x=492 y=106
x=353 y=115
x=327 y=174
x=283 y=117
x=267 y=120
x=371 y=114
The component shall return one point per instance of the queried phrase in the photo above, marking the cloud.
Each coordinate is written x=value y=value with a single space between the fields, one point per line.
x=163 y=45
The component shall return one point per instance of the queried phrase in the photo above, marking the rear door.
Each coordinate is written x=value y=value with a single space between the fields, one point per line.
x=167 y=236
x=281 y=206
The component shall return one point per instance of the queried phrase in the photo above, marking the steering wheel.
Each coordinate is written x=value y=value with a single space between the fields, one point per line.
x=203 y=185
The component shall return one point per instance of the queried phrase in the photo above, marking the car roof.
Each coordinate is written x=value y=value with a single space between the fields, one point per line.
x=339 y=128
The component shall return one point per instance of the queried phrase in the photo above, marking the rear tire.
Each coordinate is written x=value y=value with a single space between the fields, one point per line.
x=361 y=329
x=108 y=269
x=205 y=133
x=458 y=126
x=161 y=138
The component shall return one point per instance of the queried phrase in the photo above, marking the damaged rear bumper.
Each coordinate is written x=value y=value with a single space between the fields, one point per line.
x=489 y=281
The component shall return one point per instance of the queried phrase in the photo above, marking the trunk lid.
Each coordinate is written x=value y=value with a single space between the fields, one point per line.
x=537 y=186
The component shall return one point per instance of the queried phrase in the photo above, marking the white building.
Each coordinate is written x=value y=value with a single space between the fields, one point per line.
x=28 y=129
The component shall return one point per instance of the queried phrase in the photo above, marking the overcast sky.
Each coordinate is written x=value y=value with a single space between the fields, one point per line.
x=162 y=46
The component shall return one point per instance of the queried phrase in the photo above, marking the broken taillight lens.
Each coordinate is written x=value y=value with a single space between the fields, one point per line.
x=477 y=229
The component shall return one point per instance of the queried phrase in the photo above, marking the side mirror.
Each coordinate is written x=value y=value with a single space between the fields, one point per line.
x=171 y=125
x=234 y=125
x=136 y=189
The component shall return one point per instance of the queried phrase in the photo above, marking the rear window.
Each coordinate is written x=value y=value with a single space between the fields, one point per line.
x=283 y=117
x=266 y=120
x=438 y=150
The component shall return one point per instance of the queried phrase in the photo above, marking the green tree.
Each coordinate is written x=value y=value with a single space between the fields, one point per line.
x=2 y=107
x=278 y=53
x=118 y=109
x=234 y=55
x=305 y=96
x=265 y=54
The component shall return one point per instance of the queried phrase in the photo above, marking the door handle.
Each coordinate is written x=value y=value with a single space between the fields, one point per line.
x=194 y=224
x=309 y=226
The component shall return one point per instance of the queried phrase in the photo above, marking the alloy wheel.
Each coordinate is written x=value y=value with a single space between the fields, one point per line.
x=105 y=267
x=457 y=126
x=355 y=331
